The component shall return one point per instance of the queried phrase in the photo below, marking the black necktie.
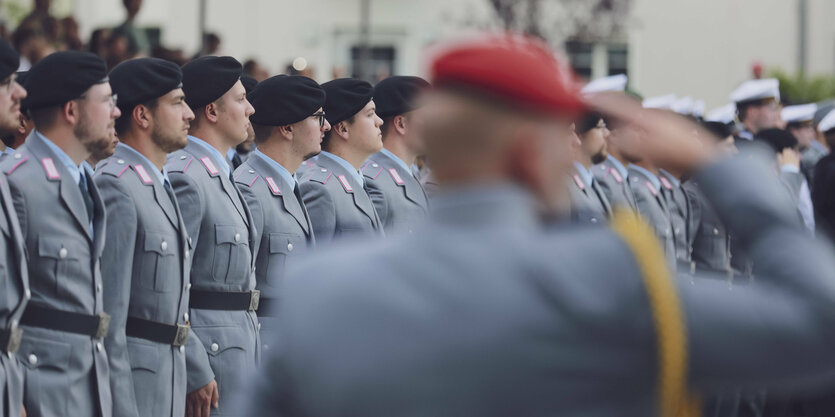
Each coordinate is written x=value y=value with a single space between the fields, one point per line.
x=85 y=194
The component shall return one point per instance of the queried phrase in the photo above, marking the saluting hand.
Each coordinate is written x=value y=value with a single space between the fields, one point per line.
x=200 y=402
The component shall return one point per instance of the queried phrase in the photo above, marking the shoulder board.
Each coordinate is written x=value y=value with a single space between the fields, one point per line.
x=319 y=174
x=245 y=176
x=13 y=162
x=178 y=162
x=372 y=170
x=113 y=167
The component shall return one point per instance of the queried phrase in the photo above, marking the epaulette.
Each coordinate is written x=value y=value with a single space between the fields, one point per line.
x=372 y=170
x=12 y=162
x=114 y=167
x=178 y=162
x=319 y=174
x=246 y=176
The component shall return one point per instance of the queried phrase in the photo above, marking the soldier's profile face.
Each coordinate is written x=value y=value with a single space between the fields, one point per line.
x=233 y=115
x=307 y=136
x=97 y=114
x=171 y=120
x=11 y=93
x=365 y=131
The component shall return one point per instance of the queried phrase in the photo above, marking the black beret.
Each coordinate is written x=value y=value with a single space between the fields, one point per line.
x=249 y=83
x=141 y=80
x=720 y=130
x=396 y=95
x=208 y=78
x=587 y=122
x=61 y=77
x=345 y=97
x=9 y=59
x=285 y=99
x=778 y=139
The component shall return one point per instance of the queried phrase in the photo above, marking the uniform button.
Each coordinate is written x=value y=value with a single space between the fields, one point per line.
x=251 y=171
x=259 y=327
x=18 y=156
x=237 y=237
x=182 y=349
x=188 y=287
x=182 y=157
x=28 y=293
x=185 y=317
x=374 y=165
x=14 y=323
x=163 y=245
x=189 y=241
x=33 y=360
x=62 y=253
x=715 y=231
x=214 y=347
x=324 y=170
x=290 y=247
x=677 y=231
x=187 y=253
x=98 y=287
x=593 y=220
x=98 y=346
x=120 y=161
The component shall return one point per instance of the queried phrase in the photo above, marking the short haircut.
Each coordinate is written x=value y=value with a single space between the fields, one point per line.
x=124 y=121
x=262 y=132
x=326 y=139
x=44 y=118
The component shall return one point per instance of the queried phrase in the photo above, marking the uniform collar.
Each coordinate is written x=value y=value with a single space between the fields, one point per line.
x=396 y=159
x=618 y=166
x=344 y=164
x=214 y=153
x=584 y=174
x=162 y=176
x=282 y=172
x=746 y=134
x=650 y=176
x=8 y=151
x=75 y=170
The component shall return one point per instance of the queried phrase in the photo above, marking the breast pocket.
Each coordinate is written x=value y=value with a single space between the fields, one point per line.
x=711 y=241
x=282 y=246
x=231 y=255
x=159 y=266
x=61 y=258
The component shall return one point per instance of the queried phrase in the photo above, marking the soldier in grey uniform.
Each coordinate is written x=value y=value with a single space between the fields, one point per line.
x=398 y=195
x=800 y=123
x=378 y=331
x=223 y=296
x=681 y=217
x=652 y=206
x=146 y=256
x=14 y=276
x=333 y=189
x=289 y=123
x=787 y=161
x=589 y=203
x=62 y=218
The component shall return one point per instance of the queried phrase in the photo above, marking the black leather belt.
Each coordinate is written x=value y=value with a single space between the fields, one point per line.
x=65 y=321
x=169 y=334
x=10 y=339
x=266 y=307
x=212 y=300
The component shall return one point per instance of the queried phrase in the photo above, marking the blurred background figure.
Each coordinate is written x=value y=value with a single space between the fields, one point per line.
x=137 y=41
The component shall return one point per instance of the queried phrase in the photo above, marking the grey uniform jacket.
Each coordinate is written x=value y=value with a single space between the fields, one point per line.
x=588 y=203
x=337 y=204
x=219 y=224
x=680 y=217
x=14 y=287
x=710 y=240
x=281 y=226
x=614 y=185
x=146 y=266
x=66 y=373
x=809 y=158
x=397 y=195
x=392 y=334
x=652 y=207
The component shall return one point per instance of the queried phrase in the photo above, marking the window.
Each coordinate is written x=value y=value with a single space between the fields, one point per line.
x=581 y=57
x=381 y=65
x=618 y=59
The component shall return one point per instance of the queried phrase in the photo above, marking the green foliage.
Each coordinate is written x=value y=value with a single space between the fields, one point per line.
x=799 y=89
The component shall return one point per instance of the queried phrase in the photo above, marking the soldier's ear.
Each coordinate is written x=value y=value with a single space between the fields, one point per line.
x=211 y=112
x=142 y=116
x=341 y=129
x=399 y=123
x=286 y=131
x=70 y=111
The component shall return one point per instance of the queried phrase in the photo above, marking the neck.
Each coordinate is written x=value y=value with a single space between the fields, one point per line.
x=64 y=139
x=144 y=145
x=212 y=137
x=354 y=157
x=585 y=161
x=273 y=148
x=396 y=145
x=750 y=127
x=647 y=166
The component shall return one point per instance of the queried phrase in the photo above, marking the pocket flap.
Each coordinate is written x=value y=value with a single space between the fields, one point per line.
x=229 y=234
x=160 y=243
x=217 y=339
x=43 y=353
x=56 y=247
x=143 y=356
x=285 y=242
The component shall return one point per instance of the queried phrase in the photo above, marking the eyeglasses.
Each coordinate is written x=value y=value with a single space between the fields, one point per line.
x=6 y=85
x=321 y=116
x=113 y=98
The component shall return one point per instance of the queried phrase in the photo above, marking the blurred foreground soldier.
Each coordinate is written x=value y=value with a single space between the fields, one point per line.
x=62 y=217
x=14 y=277
x=333 y=188
x=588 y=201
x=223 y=296
x=397 y=194
x=800 y=123
x=378 y=331
x=15 y=138
x=289 y=125
x=757 y=106
x=823 y=191
x=238 y=154
x=680 y=207
x=146 y=256
x=787 y=158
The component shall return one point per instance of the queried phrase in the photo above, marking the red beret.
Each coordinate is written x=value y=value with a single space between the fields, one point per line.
x=510 y=67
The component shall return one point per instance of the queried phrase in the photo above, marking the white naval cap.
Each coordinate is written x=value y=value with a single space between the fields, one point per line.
x=724 y=114
x=756 y=90
x=699 y=108
x=660 y=102
x=684 y=106
x=607 y=84
x=798 y=114
x=828 y=122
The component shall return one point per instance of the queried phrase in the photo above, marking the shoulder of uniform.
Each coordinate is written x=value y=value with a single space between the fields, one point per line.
x=372 y=169
x=13 y=161
x=318 y=174
x=179 y=161
x=113 y=167
x=245 y=175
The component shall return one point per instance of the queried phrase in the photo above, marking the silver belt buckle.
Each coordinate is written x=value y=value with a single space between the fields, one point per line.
x=254 y=299
x=104 y=323
x=15 y=335
x=182 y=335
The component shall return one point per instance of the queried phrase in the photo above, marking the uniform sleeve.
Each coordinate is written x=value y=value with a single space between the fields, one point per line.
x=198 y=371
x=776 y=333
x=379 y=200
x=321 y=210
x=116 y=267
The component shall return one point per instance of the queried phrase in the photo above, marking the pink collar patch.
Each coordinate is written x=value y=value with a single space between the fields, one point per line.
x=617 y=176
x=51 y=170
x=143 y=175
x=396 y=176
x=666 y=183
x=209 y=165
x=273 y=186
x=579 y=182
x=345 y=184
x=652 y=188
